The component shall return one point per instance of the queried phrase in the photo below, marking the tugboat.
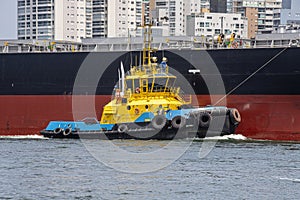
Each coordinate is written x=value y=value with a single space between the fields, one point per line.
x=146 y=104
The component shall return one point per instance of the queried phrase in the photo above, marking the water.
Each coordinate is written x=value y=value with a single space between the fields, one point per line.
x=235 y=169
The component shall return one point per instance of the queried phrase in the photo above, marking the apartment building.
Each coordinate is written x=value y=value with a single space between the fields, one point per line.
x=290 y=13
x=173 y=13
x=263 y=15
x=218 y=6
x=124 y=17
x=212 y=24
x=68 y=20
x=72 y=20
x=100 y=19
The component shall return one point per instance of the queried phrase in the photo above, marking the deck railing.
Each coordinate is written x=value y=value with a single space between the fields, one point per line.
x=122 y=44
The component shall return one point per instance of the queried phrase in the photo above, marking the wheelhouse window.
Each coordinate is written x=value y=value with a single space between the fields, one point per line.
x=159 y=84
x=129 y=84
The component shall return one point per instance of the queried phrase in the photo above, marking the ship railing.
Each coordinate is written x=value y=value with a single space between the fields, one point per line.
x=150 y=70
x=186 y=98
x=28 y=46
x=181 y=95
x=160 y=43
x=160 y=69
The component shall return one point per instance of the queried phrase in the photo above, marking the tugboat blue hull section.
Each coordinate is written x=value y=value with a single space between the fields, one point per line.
x=145 y=117
x=82 y=126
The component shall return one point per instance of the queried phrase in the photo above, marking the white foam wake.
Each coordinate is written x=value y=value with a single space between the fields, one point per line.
x=227 y=137
x=24 y=137
x=289 y=179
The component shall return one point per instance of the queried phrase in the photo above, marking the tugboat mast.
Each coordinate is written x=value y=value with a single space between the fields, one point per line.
x=147 y=44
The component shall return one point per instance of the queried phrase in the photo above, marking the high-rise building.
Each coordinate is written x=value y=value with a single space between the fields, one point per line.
x=124 y=17
x=229 y=6
x=290 y=12
x=218 y=6
x=99 y=18
x=68 y=20
x=205 y=6
x=263 y=15
x=173 y=13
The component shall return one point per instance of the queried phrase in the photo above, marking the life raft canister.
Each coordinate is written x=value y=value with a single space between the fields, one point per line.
x=235 y=45
x=137 y=90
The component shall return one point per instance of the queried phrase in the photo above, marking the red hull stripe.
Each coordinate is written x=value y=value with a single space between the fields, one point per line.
x=271 y=117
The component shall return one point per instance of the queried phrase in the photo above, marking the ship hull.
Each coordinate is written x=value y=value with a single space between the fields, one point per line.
x=267 y=117
x=263 y=84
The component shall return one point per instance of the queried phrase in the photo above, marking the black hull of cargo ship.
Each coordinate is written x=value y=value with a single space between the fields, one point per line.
x=263 y=84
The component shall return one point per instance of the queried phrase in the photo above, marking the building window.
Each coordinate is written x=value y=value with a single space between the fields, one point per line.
x=217 y=31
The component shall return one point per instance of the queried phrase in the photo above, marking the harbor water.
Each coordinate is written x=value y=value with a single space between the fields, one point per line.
x=235 y=168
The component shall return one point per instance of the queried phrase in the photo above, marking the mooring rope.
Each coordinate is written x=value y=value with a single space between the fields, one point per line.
x=251 y=75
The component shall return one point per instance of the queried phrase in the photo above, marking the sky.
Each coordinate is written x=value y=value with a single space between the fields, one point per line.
x=8 y=19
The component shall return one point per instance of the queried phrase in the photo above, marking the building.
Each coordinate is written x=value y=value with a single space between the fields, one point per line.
x=54 y=19
x=205 y=6
x=71 y=20
x=212 y=24
x=229 y=6
x=218 y=6
x=290 y=12
x=263 y=15
x=99 y=19
x=124 y=17
x=173 y=13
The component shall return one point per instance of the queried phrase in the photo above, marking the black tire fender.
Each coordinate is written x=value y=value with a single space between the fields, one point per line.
x=67 y=131
x=178 y=122
x=159 y=122
x=204 y=119
x=235 y=116
x=58 y=130
x=122 y=128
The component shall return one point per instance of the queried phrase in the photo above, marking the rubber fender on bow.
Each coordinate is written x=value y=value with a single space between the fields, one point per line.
x=122 y=128
x=235 y=116
x=204 y=119
x=159 y=122
x=67 y=131
x=57 y=130
x=178 y=122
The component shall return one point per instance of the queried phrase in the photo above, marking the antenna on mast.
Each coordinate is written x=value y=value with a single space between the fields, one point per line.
x=123 y=80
